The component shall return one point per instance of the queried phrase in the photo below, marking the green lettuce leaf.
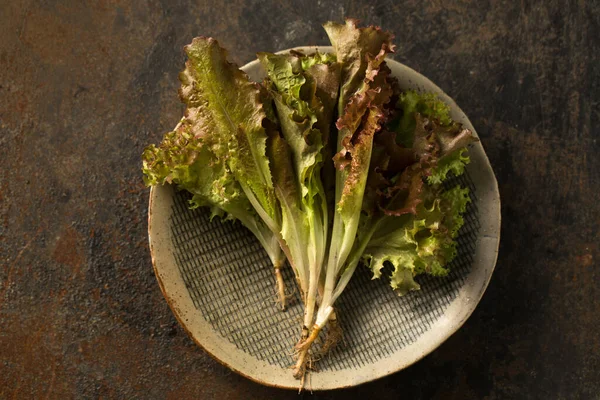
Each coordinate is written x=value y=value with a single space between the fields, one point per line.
x=411 y=103
x=326 y=78
x=435 y=150
x=225 y=111
x=414 y=110
x=454 y=162
x=296 y=115
x=304 y=89
x=294 y=225
x=184 y=160
x=309 y=61
x=408 y=219
x=218 y=150
x=421 y=243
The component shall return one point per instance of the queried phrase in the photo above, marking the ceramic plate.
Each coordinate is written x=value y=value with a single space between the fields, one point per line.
x=219 y=283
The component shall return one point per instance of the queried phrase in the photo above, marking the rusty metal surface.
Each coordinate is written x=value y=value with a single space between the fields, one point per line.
x=84 y=86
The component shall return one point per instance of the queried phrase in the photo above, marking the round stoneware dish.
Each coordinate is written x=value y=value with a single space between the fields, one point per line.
x=220 y=285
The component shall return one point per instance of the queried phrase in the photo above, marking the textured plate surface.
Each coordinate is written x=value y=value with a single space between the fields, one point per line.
x=220 y=284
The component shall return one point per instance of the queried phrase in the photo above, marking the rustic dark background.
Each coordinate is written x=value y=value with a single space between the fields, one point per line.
x=84 y=86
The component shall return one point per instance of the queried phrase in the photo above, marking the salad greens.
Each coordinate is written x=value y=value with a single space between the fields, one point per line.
x=304 y=90
x=218 y=150
x=328 y=162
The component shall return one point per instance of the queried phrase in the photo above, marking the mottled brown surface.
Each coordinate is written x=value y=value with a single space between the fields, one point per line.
x=84 y=86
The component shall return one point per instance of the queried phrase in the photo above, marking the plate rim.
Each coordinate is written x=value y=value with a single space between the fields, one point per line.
x=323 y=384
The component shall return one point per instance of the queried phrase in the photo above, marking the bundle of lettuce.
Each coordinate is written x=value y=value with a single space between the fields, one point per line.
x=327 y=162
